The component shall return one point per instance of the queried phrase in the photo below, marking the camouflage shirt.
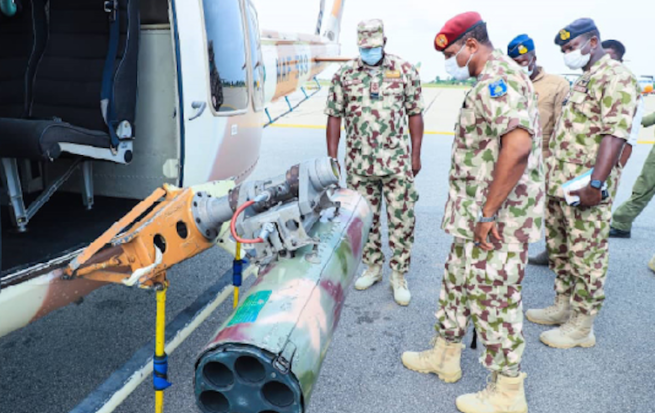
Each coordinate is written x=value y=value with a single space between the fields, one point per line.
x=502 y=100
x=375 y=105
x=603 y=101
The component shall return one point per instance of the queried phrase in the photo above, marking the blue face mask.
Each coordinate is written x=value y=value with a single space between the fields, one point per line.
x=371 y=56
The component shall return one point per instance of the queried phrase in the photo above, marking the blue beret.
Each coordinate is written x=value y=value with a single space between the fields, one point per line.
x=521 y=45
x=573 y=30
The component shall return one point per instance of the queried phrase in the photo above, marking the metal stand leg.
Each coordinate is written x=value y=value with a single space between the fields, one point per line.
x=12 y=180
x=87 y=184
x=160 y=360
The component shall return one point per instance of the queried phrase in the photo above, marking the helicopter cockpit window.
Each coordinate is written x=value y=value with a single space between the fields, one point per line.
x=226 y=48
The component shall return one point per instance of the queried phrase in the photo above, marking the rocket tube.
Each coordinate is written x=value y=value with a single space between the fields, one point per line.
x=267 y=355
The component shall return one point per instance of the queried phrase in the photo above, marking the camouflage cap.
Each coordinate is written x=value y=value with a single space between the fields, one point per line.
x=370 y=33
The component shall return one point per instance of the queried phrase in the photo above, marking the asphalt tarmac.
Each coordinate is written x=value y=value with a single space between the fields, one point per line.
x=51 y=365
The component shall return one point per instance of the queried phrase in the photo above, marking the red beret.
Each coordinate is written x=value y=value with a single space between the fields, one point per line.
x=455 y=28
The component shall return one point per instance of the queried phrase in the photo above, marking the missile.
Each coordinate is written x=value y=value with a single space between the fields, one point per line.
x=267 y=355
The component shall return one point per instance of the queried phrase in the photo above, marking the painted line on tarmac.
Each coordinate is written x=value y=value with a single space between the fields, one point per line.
x=290 y=125
x=429 y=132
x=432 y=132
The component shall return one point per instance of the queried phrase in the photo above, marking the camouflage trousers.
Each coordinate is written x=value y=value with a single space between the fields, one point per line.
x=642 y=193
x=400 y=197
x=485 y=286
x=578 y=248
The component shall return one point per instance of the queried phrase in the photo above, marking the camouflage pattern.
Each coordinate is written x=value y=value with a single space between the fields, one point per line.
x=370 y=34
x=578 y=247
x=375 y=106
x=304 y=298
x=485 y=286
x=643 y=192
x=603 y=101
x=483 y=120
x=400 y=196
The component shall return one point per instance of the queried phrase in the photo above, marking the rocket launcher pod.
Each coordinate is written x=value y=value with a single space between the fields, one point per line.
x=267 y=355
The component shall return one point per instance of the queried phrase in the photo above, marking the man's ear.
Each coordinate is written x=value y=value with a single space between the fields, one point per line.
x=473 y=45
x=594 y=42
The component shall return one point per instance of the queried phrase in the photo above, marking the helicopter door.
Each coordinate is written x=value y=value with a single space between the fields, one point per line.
x=256 y=59
x=214 y=72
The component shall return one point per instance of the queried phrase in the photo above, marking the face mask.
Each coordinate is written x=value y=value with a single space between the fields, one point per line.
x=455 y=70
x=371 y=56
x=527 y=70
x=576 y=60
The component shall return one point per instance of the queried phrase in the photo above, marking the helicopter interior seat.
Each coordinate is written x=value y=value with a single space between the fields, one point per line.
x=80 y=93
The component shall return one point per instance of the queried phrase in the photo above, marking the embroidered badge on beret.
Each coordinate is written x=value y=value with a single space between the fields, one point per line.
x=441 y=41
x=564 y=35
x=522 y=49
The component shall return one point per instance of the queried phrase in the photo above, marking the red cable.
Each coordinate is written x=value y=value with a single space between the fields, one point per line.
x=233 y=224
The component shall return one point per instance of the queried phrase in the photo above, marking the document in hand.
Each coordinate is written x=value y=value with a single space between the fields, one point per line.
x=576 y=183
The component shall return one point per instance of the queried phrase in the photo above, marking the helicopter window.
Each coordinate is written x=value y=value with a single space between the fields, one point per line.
x=257 y=60
x=227 y=55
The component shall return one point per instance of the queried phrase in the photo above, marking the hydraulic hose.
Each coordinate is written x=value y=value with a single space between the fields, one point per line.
x=233 y=224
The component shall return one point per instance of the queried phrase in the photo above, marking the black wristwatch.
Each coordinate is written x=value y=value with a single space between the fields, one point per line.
x=596 y=184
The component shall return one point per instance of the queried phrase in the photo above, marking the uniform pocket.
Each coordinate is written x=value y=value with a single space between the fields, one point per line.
x=393 y=94
x=465 y=128
x=354 y=91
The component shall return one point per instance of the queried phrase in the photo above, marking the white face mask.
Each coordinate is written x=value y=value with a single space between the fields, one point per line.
x=576 y=60
x=526 y=69
x=455 y=70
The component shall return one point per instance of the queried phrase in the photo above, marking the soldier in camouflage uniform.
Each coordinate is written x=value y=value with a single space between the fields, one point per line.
x=596 y=122
x=494 y=209
x=378 y=94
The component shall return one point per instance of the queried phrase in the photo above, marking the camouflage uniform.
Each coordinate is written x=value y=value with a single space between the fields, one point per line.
x=602 y=102
x=375 y=103
x=487 y=285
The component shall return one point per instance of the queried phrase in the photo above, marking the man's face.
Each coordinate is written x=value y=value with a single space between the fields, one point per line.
x=613 y=54
x=580 y=42
x=454 y=50
x=526 y=60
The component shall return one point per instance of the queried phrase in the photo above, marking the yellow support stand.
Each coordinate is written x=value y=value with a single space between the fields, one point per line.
x=160 y=361
x=237 y=257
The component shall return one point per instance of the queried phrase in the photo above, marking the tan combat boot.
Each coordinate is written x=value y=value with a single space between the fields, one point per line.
x=400 y=290
x=442 y=360
x=651 y=264
x=502 y=395
x=372 y=275
x=578 y=331
x=556 y=314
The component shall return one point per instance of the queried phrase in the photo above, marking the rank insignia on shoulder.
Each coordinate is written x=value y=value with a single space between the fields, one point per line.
x=498 y=88
x=394 y=74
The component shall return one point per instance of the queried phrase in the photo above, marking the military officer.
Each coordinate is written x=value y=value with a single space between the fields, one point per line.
x=595 y=124
x=494 y=209
x=642 y=193
x=378 y=95
x=551 y=92
x=615 y=49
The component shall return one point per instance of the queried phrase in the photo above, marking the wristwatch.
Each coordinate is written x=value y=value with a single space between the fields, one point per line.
x=484 y=219
x=596 y=184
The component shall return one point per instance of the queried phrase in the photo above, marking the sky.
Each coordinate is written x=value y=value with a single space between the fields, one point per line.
x=411 y=25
